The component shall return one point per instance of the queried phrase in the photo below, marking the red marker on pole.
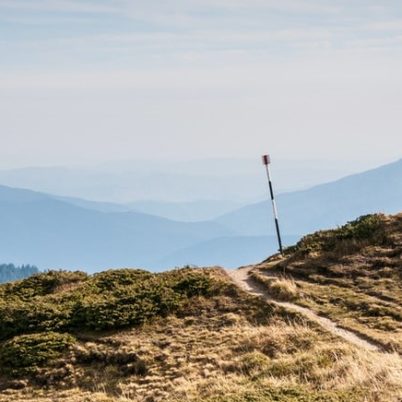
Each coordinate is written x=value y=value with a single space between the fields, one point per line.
x=266 y=160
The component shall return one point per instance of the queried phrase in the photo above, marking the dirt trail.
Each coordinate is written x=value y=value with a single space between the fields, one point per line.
x=242 y=279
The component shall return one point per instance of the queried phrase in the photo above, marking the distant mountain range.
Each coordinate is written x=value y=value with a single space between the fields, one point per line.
x=61 y=232
x=191 y=211
x=324 y=206
x=230 y=252
x=40 y=229
x=220 y=179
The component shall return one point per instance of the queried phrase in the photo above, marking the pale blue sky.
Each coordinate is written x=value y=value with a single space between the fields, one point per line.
x=87 y=81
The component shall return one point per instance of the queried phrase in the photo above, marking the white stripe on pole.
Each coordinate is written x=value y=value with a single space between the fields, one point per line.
x=274 y=208
x=266 y=161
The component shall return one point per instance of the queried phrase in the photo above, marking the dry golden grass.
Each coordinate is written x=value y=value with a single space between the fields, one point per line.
x=225 y=357
x=229 y=347
x=355 y=282
x=280 y=287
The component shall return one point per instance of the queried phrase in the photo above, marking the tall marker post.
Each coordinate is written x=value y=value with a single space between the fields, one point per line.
x=267 y=161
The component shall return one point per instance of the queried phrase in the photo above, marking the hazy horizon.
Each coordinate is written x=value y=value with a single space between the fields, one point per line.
x=352 y=165
x=234 y=181
x=85 y=82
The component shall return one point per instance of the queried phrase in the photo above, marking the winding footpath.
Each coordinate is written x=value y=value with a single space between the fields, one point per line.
x=243 y=280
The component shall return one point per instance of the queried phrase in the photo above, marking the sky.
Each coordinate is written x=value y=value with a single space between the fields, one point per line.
x=90 y=81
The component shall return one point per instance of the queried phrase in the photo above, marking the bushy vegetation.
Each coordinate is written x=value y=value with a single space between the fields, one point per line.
x=47 y=316
x=40 y=315
x=42 y=284
x=26 y=353
x=10 y=272
x=364 y=229
x=352 y=274
x=189 y=334
x=71 y=301
x=136 y=297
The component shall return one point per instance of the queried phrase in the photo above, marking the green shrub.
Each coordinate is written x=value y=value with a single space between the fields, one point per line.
x=113 y=279
x=193 y=284
x=363 y=228
x=102 y=313
x=135 y=302
x=108 y=300
x=42 y=284
x=367 y=228
x=24 y=354
x=18 y=317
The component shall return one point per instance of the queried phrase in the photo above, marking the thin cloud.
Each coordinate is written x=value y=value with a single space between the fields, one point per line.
x=58 y=6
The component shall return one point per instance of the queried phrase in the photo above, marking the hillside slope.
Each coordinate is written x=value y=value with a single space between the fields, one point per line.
x=185 y=335
x=352 y=275
x=326 y=205
x=39 y=229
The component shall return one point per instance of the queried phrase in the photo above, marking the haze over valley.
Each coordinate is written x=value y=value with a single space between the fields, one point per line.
x=71 y=233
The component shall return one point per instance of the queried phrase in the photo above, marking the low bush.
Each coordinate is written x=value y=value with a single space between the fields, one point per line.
x=24 y=354
x=136 y=306
x=114 y=279
x=18 y=317
x=190 y=283
x=367 y=228
x=108 y=300
x=42 y=284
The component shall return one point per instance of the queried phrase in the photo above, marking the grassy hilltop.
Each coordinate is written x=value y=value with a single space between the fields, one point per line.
x=352 y=274
x=193 y=335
